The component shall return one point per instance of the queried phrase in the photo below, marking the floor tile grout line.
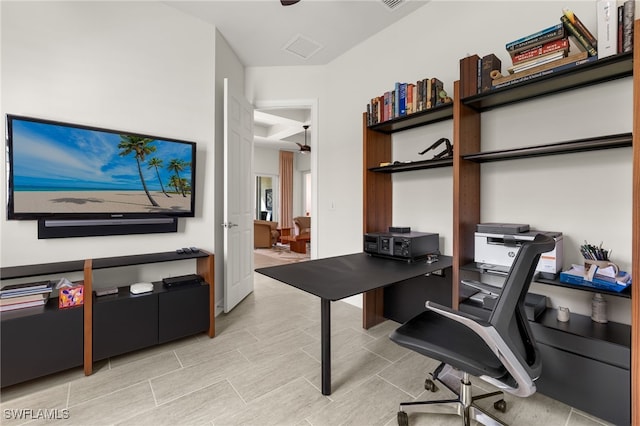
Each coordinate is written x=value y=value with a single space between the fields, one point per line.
x=396 y=386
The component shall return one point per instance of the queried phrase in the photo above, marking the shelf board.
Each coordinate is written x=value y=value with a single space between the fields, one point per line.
x=140 y=259
x=417 y=119
x=413 y=165
x=583 y=326
x=626 y=293
x=474 y=267
x=578 y=145
x=609 y=68
x=11 y=272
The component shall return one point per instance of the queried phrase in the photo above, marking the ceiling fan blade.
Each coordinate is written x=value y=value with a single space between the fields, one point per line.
x=288 y=2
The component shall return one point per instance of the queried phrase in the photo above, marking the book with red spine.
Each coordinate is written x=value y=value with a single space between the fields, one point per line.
x=540 y=50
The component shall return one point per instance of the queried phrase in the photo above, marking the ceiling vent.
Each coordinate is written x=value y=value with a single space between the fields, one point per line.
x=393 y=4
x=302 y=46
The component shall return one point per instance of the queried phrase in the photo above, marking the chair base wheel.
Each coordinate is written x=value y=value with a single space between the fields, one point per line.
x=500 y=405
x=403 y=418
x=430 y=385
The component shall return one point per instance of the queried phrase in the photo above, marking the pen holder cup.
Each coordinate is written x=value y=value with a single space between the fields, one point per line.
x=588 y=264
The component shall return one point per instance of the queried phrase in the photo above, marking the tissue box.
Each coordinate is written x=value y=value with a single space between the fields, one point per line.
x=71 y=296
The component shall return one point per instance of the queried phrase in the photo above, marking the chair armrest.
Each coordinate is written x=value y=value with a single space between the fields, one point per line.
x=457 y=316
x=498 y=346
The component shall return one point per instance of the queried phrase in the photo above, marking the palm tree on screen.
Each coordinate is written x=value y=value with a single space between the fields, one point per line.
x=156 y=163
x=176 y=165
x=174 y=181
x=140 y=147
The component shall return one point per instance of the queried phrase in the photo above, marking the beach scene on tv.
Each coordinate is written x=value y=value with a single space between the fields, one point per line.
x=61 y=169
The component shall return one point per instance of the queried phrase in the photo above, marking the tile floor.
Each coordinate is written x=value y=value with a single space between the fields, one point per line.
x=262 y=368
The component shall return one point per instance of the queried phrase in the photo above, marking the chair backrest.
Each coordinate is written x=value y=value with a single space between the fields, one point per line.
x=509 y=317
x=302 y=224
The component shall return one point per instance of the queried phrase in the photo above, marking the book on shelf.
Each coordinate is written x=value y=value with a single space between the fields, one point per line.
x=582 y=40
x=410 y=99
x=628 y=16
x=22 y=305
x=545 y=59
x=437 y=86
x=490 y=63
x=15 y=290
x=582 y=29
x=402 y=100
x=545 y=35
x=23 y=299
x=607 y=19
x=545 y=69
x=541 y=50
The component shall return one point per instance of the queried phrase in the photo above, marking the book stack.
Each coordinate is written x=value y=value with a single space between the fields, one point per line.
x=580 y=33
x=547 y=51
x=406 y=99
x=27 y=295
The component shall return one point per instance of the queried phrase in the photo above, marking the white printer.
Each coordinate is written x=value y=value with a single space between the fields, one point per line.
x=496 y=245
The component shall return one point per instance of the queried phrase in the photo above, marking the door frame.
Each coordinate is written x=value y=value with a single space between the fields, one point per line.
x=312 y=104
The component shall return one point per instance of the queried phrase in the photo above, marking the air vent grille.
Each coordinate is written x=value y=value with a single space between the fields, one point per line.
x=302 y=46
x=393 y=4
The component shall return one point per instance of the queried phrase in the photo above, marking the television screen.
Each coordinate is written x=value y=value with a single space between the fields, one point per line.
x=61 y=170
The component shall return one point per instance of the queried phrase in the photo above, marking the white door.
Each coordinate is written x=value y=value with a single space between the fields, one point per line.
x=238 y=197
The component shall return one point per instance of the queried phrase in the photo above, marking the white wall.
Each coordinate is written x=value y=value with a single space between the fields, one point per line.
x=132 y=66
x=545 y=192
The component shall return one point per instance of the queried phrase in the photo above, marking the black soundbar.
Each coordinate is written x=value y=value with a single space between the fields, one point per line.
x=62 y=228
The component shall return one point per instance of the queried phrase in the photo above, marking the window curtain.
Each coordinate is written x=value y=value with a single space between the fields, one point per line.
x=286 y=189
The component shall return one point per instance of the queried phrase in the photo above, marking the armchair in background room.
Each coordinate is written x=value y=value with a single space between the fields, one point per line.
x=265 y=233
x=501 y=350
x=303 y=226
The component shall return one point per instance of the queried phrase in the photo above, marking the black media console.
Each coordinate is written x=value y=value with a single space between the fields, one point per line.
x=44 y=340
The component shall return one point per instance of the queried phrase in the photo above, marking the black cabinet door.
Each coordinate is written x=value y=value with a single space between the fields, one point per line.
x=124 y=323
x=406 y=299
x=183 y=312
x=40 y=341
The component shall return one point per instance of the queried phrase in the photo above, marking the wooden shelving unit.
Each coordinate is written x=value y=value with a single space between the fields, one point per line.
x=468 y=155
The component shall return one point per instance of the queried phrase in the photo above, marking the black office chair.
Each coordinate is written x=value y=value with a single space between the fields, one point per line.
x=500 y=351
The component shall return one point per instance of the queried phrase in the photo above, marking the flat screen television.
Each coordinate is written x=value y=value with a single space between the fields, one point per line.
x=73 y=172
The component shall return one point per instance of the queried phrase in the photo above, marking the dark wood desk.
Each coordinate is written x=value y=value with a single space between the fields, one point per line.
x=336 y=278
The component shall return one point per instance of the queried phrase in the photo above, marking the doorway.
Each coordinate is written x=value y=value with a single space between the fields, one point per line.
x=289 y=135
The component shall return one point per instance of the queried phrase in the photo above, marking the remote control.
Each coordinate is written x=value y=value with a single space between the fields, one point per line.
x=180 y=251
x=106 y=291
x=186 y=250
x=194 y=249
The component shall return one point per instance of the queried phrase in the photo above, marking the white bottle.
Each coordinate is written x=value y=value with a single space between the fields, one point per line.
x=599 y=308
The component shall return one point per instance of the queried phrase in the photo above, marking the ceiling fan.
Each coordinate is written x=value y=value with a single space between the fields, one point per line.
x=304 y=148
x=288 y=2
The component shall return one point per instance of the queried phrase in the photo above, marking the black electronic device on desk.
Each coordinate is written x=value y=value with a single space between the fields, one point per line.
x=407 y=245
